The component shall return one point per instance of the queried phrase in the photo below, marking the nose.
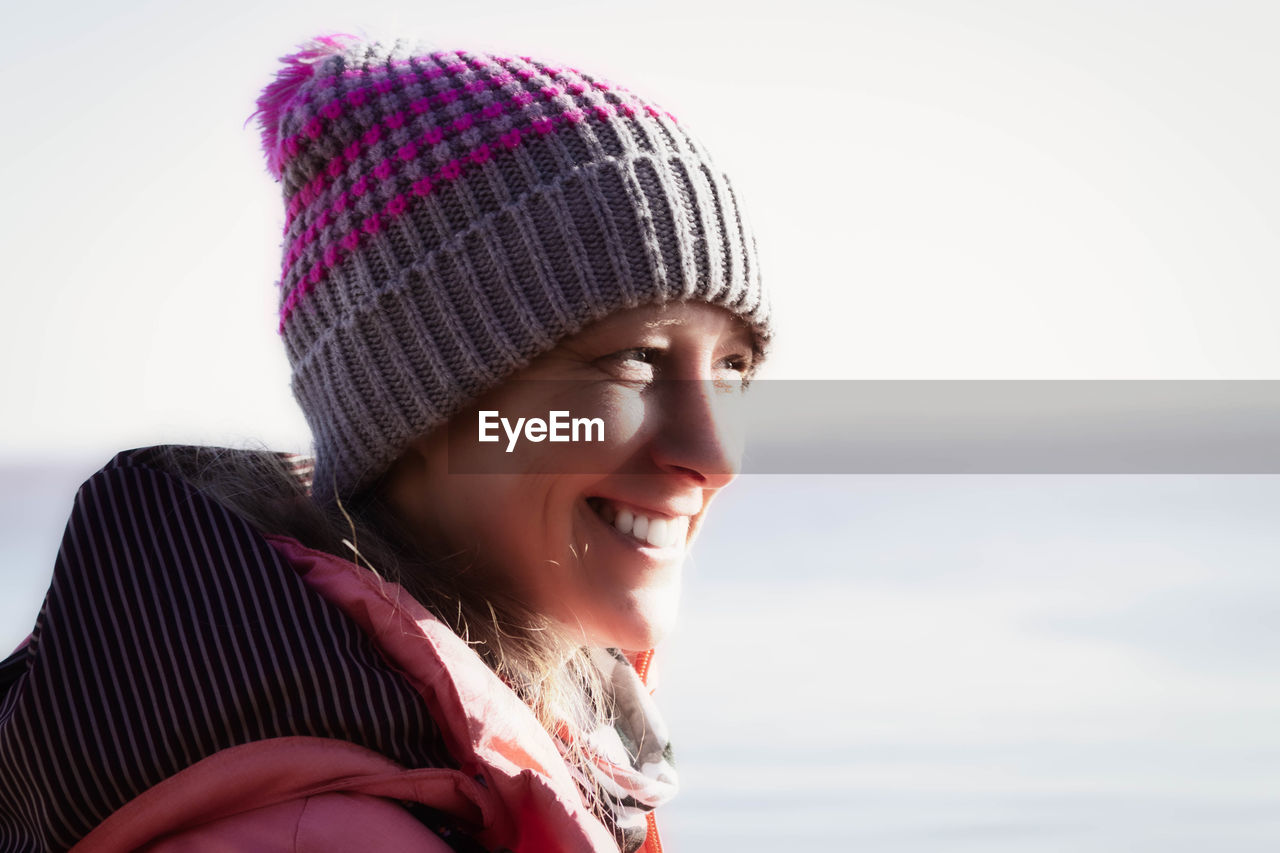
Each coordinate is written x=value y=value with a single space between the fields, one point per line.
x=700 y=431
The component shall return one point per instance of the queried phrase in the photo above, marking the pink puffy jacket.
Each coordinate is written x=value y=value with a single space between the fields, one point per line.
x=311 y=794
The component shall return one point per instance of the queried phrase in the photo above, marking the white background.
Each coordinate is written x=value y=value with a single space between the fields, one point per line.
x=941 y=189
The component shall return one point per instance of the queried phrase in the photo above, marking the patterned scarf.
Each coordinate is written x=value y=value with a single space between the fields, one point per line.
x=629 y=761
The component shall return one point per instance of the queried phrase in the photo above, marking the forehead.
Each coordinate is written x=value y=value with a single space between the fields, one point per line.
x=694 y=318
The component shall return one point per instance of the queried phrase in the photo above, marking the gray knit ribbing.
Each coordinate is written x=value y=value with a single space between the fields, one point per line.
x=439 y=296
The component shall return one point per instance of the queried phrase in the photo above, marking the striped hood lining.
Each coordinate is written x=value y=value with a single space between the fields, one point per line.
x=172 y=630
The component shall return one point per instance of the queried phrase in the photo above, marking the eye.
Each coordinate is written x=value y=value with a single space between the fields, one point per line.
x=644 y=355
x=736 y=368
x=637 y=364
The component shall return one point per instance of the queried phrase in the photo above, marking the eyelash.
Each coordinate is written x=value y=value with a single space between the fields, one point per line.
x=648 y=355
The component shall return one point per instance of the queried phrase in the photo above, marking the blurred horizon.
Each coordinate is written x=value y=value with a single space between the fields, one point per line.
x=957 y=662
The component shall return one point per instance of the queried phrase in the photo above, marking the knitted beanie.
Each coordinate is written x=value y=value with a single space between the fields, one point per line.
x=451 y=215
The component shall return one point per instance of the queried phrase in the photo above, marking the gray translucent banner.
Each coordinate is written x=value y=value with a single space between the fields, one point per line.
x=898 y=427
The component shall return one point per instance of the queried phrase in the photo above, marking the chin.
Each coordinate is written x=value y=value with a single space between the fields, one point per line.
x=651 y=617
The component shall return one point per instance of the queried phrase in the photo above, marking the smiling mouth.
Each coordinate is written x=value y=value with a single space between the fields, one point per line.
x=655 y=531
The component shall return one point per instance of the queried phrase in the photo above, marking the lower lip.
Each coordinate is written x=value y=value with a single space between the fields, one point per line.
x=643 y=547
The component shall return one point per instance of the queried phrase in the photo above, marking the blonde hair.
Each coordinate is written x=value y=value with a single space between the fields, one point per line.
x=526 y=649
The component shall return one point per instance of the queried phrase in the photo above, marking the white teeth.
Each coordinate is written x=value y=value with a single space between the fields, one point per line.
x=656 y=532
x=657 y=536
x=681 y=532
x=624 y=521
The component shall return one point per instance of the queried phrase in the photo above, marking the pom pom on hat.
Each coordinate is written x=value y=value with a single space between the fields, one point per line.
x=279 y=95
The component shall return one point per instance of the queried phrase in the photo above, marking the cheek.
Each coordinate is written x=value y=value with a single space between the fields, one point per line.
x=523 y=528
x=486 y=515
x=625 y=412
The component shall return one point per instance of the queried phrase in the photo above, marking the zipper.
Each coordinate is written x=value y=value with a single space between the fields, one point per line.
x=652 y=844
x=642 y=666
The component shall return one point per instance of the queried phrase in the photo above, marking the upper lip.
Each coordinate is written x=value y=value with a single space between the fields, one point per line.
x=669 y=510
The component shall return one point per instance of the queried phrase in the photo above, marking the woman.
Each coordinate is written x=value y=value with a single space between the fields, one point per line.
x=435 y=644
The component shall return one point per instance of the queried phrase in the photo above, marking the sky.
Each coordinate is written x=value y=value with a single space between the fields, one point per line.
x=970 y=189
x=942 y=190
x=1027 y=664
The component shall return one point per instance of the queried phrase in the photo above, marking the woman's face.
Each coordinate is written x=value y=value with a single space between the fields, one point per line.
x=592 y=533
